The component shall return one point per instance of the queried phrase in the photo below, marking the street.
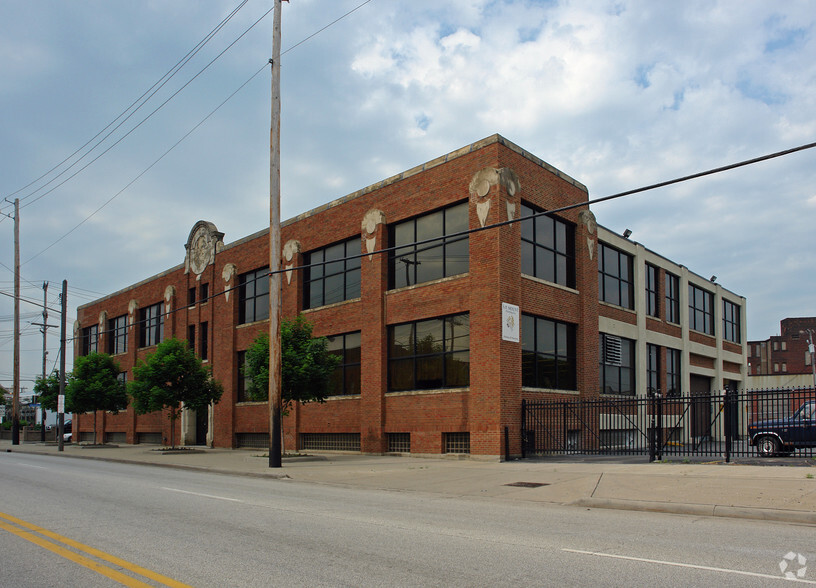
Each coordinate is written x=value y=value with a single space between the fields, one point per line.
x=202 y=529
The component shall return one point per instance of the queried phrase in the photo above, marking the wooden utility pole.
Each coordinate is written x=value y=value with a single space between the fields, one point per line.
x=275 y=428
x=61 y=397
x=45 y=355
x=15 y=404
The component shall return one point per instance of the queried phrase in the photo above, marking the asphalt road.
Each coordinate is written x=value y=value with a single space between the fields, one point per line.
x=159 y=526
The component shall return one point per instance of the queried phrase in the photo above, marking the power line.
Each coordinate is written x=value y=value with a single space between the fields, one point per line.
x=141 y=101
x=145 y=119
x=163 y=155
x=461 y=235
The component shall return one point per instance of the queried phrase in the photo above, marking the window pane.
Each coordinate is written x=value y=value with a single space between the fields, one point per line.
x=429 y=264
x=456 y=218
x=527 y=258
x=402 y=341
x=401 y=374
x=457 y=369
x=456 y=258
x=353 y=347
x=545 y=341
x=352 y=379
x=429 y=336
x=527 y=332
x=429 y=372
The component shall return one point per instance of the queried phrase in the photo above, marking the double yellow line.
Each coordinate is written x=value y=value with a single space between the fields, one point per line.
x=59 y=545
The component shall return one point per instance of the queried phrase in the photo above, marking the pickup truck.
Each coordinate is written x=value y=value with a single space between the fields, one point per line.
x=783 y=436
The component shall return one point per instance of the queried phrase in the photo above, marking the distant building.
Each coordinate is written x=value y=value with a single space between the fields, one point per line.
x=439 y=341
x=783 y=360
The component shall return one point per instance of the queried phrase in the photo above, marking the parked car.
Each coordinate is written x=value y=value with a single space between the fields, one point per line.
x=67 y=431
x=784 y=436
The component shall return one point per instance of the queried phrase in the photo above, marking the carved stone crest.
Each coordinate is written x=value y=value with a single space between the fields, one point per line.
x=203 y=243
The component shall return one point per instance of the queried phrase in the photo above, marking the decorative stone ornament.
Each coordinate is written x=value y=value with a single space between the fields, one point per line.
x=227 y=274
x=588 y=220
x=371 y=220
x=482 y=183
x=203 y=243
x=290 y=249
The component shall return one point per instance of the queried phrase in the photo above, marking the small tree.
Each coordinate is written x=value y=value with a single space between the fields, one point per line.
x=169 y=377
x=95 y=386
x=48 y=390
x=306 y=365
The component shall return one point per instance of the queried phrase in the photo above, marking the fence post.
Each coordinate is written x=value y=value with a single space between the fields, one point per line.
x=523 y=428
x=729 y=415
x=659 y=426
x=652 y=425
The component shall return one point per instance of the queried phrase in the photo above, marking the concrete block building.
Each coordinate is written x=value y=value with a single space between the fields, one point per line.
x=440 y=340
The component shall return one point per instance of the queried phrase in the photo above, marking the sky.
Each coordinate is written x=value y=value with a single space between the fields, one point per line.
x=617 y=94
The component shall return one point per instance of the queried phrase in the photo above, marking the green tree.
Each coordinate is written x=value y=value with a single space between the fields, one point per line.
x=172 y=375
x=95 y=385
x=48 y=390
x=306 y=365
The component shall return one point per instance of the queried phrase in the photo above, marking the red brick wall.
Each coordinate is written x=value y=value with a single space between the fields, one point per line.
x=493 y=399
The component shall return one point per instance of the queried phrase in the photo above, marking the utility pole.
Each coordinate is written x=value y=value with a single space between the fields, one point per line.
x=15 y=404
x=45 y=356
x=44 y=329
x=275 y=371
x=61 y=397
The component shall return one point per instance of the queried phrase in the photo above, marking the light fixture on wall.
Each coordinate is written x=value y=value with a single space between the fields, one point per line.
x=713 y=278
x=627 y=233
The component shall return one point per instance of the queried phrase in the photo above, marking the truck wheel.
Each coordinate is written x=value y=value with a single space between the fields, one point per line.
x=767 y=446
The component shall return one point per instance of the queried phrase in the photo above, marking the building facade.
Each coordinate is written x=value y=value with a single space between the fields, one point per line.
x=785 y=359
x=443 y=323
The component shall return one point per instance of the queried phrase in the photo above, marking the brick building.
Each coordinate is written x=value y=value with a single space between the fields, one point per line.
x=785 y=355
x=433 y=359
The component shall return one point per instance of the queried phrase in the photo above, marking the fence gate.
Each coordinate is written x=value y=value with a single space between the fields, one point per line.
x=710 y=424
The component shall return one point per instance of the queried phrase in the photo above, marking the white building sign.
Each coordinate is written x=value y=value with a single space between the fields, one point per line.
x=510 y=322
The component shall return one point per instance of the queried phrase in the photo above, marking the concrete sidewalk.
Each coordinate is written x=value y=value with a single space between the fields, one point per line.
x=769 y=492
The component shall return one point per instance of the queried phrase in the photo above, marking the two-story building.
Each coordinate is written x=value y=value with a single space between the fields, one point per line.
x=443 y=321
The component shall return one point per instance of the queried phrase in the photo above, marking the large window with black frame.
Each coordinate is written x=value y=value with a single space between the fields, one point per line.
x=117 y=335
x=429 y=354
x=547 y=247
x=332 y=274
x=346 y=377
x=731 y=322
x=617 y=365
x=673 y=372
x=547 y=353
x=652 y=368
x=701 y=310
x=151 y=325
x=412 y=263
x=90 y=339
x=253 y=296
x=615 y=277
x=652 y=299
x=672 y=298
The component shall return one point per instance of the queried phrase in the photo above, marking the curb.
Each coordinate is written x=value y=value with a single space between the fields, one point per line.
x=708 y=510
x=270 y=475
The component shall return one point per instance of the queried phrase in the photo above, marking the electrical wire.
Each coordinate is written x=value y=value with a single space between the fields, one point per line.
x=144 y=120
x=140 y=101
x=253 y=76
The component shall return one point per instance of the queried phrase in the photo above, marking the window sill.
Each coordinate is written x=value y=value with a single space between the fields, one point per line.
x=429 y=283
x=428 y=392
x=550 y=390
x=548 y=283
x=332 y=305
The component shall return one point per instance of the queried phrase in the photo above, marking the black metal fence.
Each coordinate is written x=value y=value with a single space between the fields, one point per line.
x=717 y=424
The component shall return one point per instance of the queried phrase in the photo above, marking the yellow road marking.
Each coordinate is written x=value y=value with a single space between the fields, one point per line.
x=84 y=561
